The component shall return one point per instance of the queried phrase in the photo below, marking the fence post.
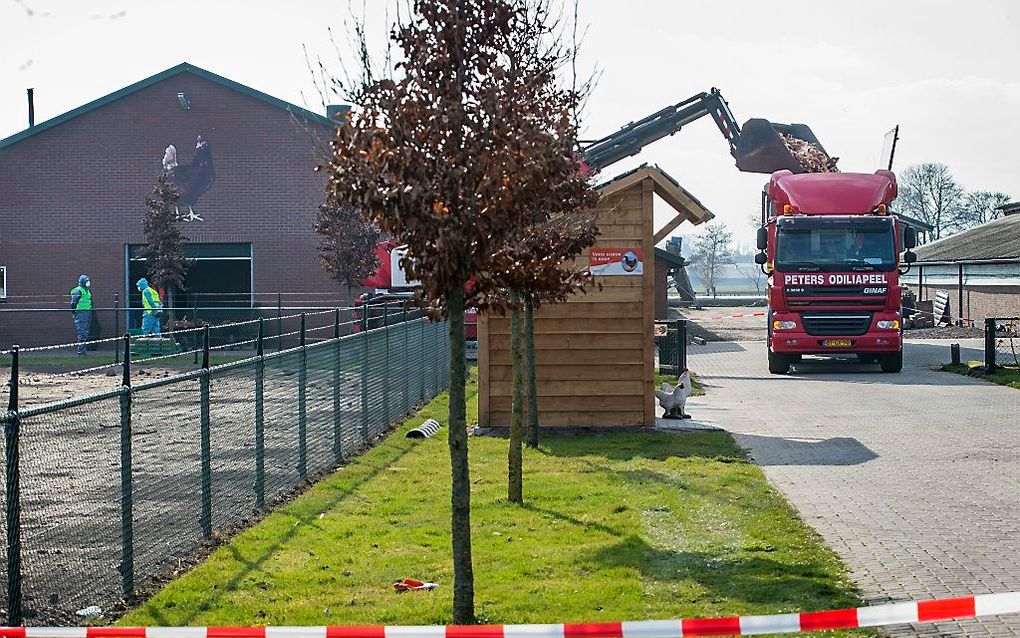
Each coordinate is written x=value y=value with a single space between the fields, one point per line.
x=116 y=326
x=364 y=386
x=405 y=384
x=279 y=322
x=421 y=357
x=302 y=424
x=681 y=333
x=386 y=363
x=260 y=432
x=127 y=531
x=12 y=438
x=960 y=295
x=337 y=429
x=205 y=440
x=990 y=364
x=194 y=304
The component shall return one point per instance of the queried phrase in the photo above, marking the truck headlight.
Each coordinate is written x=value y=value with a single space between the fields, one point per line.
x=891 y=324
x=784 y=325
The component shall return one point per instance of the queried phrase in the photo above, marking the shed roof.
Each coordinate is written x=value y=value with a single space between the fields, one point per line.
x=683 y=202
x=998 y=239
x=183 y=67
x=670 y=258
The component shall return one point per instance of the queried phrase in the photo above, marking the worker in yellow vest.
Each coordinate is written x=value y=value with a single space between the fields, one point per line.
x=81 y=310
x=153 y=309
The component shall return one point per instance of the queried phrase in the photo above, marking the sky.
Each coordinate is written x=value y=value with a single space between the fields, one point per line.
x=946 y=71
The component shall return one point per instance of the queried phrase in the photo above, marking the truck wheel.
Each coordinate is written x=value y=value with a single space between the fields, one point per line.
x=892 y=362
x=778 y=363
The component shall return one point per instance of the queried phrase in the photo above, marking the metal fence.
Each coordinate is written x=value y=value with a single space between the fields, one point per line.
x=107 y=495
x=671 y=340
x=1002 y=342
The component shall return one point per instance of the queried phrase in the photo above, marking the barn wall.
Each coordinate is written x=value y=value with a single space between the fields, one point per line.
x=594 y=353
x=74 y=195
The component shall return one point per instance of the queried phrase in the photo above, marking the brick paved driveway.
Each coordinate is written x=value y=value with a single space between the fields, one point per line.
x=913 y=478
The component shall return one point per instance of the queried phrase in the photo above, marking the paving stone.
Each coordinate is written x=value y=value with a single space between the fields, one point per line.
x=913 y=478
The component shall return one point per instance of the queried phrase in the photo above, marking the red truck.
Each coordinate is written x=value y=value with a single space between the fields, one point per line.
x=833 y=252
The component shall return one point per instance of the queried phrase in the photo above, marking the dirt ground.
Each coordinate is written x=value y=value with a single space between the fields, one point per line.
x=71 y=472
x=38 y=388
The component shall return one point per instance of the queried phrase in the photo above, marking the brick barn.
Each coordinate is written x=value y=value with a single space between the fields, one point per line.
x=72 y=193
x=977 y=269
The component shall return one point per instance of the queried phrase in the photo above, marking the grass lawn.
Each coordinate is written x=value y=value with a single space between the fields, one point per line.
x=617 y=526
x=1002 y=376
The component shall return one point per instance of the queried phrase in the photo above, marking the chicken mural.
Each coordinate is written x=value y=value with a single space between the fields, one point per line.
x=191 y=179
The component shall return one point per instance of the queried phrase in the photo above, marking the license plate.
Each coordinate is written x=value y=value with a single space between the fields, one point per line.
x=836 y=343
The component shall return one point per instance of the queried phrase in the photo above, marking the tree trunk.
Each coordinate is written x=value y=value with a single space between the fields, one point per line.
x=515 y=463
x=460 y=485
x=529 y=358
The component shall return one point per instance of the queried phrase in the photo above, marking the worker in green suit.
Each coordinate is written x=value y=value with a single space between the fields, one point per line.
x=153 y=308
x=81 y=310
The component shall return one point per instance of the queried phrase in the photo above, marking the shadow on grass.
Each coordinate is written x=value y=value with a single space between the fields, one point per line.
x=655 y=446
x=305 y=520
x=566 y=518
x=752 y=578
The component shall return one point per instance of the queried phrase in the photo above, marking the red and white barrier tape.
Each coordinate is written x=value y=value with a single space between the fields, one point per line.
x=738 y=315
x=876 y=616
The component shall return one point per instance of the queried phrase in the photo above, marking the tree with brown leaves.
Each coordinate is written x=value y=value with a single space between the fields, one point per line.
x=452 y=152
x=549 y=249
x=348 y=244
x=165 y=263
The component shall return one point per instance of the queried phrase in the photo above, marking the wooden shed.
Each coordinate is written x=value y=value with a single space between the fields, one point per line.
x=594 y=354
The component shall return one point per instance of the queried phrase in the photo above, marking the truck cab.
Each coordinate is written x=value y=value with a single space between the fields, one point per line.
x=833 y=253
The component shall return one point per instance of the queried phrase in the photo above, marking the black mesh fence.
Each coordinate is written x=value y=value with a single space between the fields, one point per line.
x=1002 y=342
x=121 y=489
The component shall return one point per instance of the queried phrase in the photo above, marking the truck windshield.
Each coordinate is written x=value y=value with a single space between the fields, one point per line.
x=835 y=245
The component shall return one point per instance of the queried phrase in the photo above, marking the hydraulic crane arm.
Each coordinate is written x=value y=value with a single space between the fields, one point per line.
x=759 y=146
x=632 y=138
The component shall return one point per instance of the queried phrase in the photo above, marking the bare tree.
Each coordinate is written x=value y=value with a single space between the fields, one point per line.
x=713 y=251
x=348 y=244
x=928 y=192
x=165 y=263
x=452 y=152
x=981 y=207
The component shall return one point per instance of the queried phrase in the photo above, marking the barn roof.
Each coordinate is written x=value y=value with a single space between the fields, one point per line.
x=683 y=202
x=183 y=67
x=998 y=239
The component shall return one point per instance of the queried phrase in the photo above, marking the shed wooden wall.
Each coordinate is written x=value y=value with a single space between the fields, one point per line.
x=594 y=354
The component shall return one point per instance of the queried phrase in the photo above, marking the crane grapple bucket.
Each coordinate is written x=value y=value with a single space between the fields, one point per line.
x=765 y=147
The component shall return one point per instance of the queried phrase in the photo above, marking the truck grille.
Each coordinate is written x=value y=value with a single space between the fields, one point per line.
x=864 y=303
x=824 y=291
x=836 y=324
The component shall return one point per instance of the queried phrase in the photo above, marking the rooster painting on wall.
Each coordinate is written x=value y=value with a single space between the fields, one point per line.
x=191 y=179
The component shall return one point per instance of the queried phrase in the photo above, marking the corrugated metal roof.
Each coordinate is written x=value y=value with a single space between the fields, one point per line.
x=184 y=67
x=998 y=239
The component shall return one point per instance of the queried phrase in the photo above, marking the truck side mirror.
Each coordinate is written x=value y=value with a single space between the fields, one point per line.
x=762 y=238
x=761 y=259
x=909 y=257
x=909 y=237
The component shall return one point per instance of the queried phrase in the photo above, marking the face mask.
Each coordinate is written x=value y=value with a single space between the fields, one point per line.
x=88 y=284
